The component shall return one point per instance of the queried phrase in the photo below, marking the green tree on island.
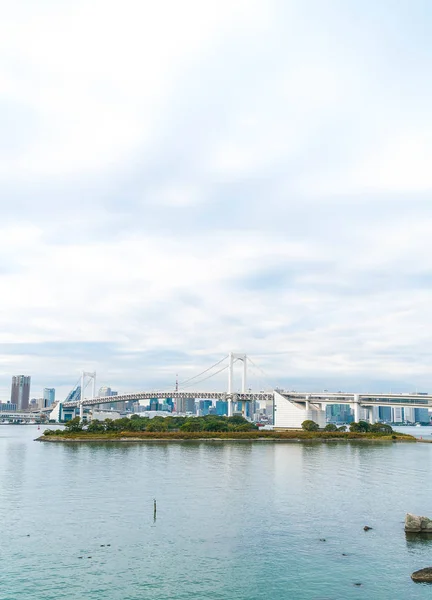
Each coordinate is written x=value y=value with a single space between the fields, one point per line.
x=309 y=425
x=381 y=428
x=96 y=427
x=74 y=425
x=330 y=427
x=360 y=427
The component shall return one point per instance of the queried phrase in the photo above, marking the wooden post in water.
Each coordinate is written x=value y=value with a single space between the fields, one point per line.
x=154 y=509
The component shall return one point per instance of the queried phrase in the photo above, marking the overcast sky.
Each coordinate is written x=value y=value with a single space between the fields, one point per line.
x=182 y=179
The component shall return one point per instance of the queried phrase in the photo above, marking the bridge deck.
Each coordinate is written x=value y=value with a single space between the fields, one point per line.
x=413 y=400
x=263 y=397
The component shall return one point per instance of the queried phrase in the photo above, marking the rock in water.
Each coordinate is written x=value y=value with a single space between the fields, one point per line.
x=423 y=575
x=416 y=524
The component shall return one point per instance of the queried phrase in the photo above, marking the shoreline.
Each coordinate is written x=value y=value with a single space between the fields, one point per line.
x=293 y=439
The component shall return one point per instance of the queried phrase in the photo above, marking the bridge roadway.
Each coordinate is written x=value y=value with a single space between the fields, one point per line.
x=413 y=400
x=237 y=397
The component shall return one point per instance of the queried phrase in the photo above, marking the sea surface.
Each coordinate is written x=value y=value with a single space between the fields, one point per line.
x=424 y=432
x=235 y=521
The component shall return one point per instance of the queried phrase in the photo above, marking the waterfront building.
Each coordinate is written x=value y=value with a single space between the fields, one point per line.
x=49 y=397
x=409 y=414
x=8 y=406
x=101 y=415
x=421 y=415
x=20 y=391
x=364 y=413
x=385 y=413
x=289 y=415
x=397 y=414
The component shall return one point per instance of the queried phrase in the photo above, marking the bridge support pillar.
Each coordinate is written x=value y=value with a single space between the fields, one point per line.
x=371 y=413
x=230 y=406
x=356 y=408
x=81 y=411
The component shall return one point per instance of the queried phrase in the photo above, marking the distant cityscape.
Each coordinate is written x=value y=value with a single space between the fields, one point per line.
x=20 y=401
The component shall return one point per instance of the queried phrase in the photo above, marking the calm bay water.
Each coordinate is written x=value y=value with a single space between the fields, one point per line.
x=235 y=520
x=424 y=432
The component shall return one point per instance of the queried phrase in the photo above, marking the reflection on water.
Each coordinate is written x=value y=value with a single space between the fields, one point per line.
x=416 y=539
x=235 y=521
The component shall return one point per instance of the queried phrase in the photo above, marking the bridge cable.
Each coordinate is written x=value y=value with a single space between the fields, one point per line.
x=263 y=372
x=208 y=376
x=181 y=383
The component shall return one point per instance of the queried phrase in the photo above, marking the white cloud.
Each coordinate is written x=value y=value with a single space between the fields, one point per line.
x=182 y=179
x=98 y=75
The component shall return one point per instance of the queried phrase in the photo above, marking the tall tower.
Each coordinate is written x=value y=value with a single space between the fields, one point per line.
x=49 y=396
x=20 y=391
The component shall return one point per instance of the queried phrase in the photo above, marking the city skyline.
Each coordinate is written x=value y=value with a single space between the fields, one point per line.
x=219 y=382
x=262 y=186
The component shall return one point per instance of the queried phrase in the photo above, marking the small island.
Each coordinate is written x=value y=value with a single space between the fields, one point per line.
x=211 y=428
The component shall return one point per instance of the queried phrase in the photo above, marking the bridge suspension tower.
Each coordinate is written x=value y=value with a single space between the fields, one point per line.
x=86 y=378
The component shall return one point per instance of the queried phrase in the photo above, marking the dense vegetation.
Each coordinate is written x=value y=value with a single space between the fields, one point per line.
x=365 y=427
x=158 y=424
x=360 y=427
x=210 y=427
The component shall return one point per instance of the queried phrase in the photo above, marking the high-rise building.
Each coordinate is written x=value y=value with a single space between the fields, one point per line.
x=409 y=414
x=154 y=404
x=221 y=407
x=203 y=407
x=397 y=414
x=180 y=405
x=421 y=415
x=37 y=403
x=339 y=413
x=104 y=391
x=48 y=396
x=190 y=405
x=20 y=391
x=107 y=392
x=385 y=413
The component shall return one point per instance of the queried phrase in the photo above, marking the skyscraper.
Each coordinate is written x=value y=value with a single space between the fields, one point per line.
x=20 y=391
x=104 y=391
x=190 y=405
x=48 y=396
x=221 y=407
x=421 y=415
x=385 y=413
x=397 y=414
x=203 y=407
